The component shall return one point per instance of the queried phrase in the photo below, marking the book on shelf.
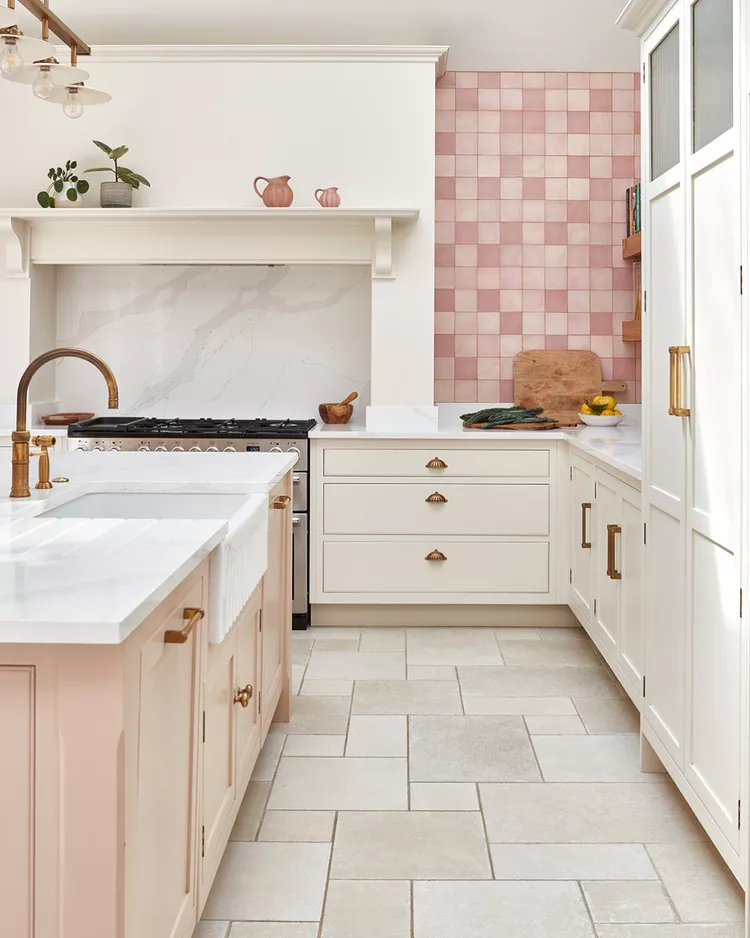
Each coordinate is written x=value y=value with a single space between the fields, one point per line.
x=633 y=201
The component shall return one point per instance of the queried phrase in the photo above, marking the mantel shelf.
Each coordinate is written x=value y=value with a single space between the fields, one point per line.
x=201 y=236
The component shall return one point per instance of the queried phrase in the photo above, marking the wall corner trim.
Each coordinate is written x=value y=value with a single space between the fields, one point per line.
x=639 y=15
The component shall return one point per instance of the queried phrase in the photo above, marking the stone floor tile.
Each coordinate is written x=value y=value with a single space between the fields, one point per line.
x=500 y=910
x=372 y=909
x=310 y=827
x=431 y=672
x=251 y=811
x=376 y=736
x=333 y=631
x=549 y=654
x=408 y=697
x=593 y=813
x=521 y=706
x=605 y=716
x=211 y=930
x=516 y=633
x=699 y=883
x=470 y=749
x=328 y=716
x=356 y=665
x=452 y=647
x=623 y=902
x=320 y=745
x=270 y=882
x=410 y=845
x=274 y=930
x=443 y=796
x=575 y=634
x=301 y=649
x=536 y=682
x=670 y=931
x=327 y=689
x=592 y=759
x=554 y=725
x=336 y=644
x=269 y=757
x=298 y=674
x=385 y=639
x=347 y=784
x=571 y=861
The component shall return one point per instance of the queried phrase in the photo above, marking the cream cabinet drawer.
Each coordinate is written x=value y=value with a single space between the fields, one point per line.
x=402 y=567
x=404 y=508
x=493 y=463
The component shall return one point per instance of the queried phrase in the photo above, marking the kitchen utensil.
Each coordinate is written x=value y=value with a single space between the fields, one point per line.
x=592 y=420
x=558 y=381
x=338 y=413
x=328 y=198
x=277 y=193
x=65 y=420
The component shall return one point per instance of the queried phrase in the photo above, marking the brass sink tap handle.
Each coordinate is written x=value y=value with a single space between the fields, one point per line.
x=44 y=442
x=21 y=436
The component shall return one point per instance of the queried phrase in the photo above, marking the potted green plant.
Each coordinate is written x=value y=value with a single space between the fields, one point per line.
x=117 y=194
x=63 y=182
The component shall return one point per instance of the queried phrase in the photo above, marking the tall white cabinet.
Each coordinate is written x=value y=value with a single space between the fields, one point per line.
x=693 y=186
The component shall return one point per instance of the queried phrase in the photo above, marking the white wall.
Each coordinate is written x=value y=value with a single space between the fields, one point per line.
x=216 y=341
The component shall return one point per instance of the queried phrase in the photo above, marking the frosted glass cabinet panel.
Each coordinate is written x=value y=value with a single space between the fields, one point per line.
x=665 y=103
x=712 y=70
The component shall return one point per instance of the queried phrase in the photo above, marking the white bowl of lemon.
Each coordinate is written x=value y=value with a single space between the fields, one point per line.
x=601 y=411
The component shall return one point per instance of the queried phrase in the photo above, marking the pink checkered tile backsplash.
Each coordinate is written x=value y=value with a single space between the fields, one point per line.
x=531 y=173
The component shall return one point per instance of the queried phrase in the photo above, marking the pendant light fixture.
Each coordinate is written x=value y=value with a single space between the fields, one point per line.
x=32 y=61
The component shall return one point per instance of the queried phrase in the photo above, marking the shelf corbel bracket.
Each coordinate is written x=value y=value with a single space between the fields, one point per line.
x=15 y=237
x=382 y=258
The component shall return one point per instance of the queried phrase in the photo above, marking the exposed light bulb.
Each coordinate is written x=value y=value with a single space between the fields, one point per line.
x=43 y=87
x=72 y=106
x=11 y=60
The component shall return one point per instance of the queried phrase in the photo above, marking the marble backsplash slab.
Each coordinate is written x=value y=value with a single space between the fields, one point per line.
x=216 y=341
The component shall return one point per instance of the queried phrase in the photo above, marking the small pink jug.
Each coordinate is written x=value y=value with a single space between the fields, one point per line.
x=277 y=194
x=328 y=198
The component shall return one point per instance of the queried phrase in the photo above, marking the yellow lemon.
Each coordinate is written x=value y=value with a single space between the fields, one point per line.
x=606 y=400
x=585 y=409
x=609 y=412
x=618 y=412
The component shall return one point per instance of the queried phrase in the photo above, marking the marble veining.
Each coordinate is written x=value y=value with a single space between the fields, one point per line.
x=216 y=341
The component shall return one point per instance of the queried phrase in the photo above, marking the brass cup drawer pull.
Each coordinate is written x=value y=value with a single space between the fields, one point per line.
x=585 y=542
x=676 y=355
x=192 y=617
x=436 y=556
x=436 y=463
x=244 y=695
x=282 y=502
x=436 y=499
x=612 y=531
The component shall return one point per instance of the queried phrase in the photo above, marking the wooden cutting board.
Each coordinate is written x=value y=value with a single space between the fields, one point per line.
x=558 y=381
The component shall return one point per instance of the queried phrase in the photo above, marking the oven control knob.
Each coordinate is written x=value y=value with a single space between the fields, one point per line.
x=294 y=450
x=275 y=449
x=194 y=449
x=82 y=448
x=212 y=449
x=178 y=449
x=229 y=449
x=144 y=448
x=115 y=448
x=98 y=448
x=161 y=448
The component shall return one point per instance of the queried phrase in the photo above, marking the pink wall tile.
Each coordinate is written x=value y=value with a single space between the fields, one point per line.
x=531 y=170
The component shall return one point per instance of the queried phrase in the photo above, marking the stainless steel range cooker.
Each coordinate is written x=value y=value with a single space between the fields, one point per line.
x=155 y=435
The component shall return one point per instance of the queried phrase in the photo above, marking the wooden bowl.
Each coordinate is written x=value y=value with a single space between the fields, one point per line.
x=335 y=413
x=65 y=420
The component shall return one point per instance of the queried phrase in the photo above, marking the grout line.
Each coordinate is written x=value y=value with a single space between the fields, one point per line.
x=328 y=875
x=531 y=743
x=411 y=908
x=663 y=884
x=586 y=907
x=578 y=713
x=408 y=762
x=484 y=828
x=460 y=692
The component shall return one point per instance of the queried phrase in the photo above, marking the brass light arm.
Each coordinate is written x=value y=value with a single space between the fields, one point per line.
x=42 y=12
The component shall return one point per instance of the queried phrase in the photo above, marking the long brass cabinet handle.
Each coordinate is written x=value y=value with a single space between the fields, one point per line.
x=672 y=361
x=282 y=502
x=436 y=499
x=676 y=355
x=192 y=617
x=612 y=572
x=436 y=556
x=244 y=695
x=436 y=463
x=585 y=542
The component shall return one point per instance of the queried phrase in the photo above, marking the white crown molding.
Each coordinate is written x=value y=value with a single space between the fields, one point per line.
x=437 y=55
x=639 y=15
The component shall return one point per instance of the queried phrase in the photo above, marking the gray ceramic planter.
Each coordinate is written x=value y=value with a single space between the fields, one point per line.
x=116 y=195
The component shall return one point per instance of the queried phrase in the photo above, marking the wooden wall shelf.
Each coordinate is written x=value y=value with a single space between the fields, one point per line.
x=631 y=247
x=631 y=331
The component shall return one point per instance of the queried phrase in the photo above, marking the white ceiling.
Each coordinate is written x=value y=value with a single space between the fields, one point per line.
x=489 y=35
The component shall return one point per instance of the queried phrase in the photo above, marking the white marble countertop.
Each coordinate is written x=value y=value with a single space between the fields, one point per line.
x=93 y=581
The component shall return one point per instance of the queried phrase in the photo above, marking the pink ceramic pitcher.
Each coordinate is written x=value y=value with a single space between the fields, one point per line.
x=277 y=194
x=328 y=198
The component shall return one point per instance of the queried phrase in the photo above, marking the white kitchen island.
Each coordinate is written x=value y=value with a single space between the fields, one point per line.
x=130 y=728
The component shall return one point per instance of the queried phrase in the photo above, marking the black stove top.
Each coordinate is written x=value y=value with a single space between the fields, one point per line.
x=146 y=427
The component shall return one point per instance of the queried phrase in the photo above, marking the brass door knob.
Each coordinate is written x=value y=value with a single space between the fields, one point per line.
x=282 y=502
x=436 y=499
x=244 y=696
x=436 y=555
x=436 y=463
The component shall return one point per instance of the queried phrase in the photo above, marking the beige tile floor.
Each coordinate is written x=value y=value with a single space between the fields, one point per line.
x=463 y=783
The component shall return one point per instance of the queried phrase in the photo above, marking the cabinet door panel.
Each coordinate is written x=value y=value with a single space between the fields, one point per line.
x=631 y=646
x=248 y=718
x=582 y=532
x=277 y=612
x=606 y=589
x=167 y=744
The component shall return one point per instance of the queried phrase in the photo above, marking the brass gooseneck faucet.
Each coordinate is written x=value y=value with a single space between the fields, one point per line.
x=21 y=437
